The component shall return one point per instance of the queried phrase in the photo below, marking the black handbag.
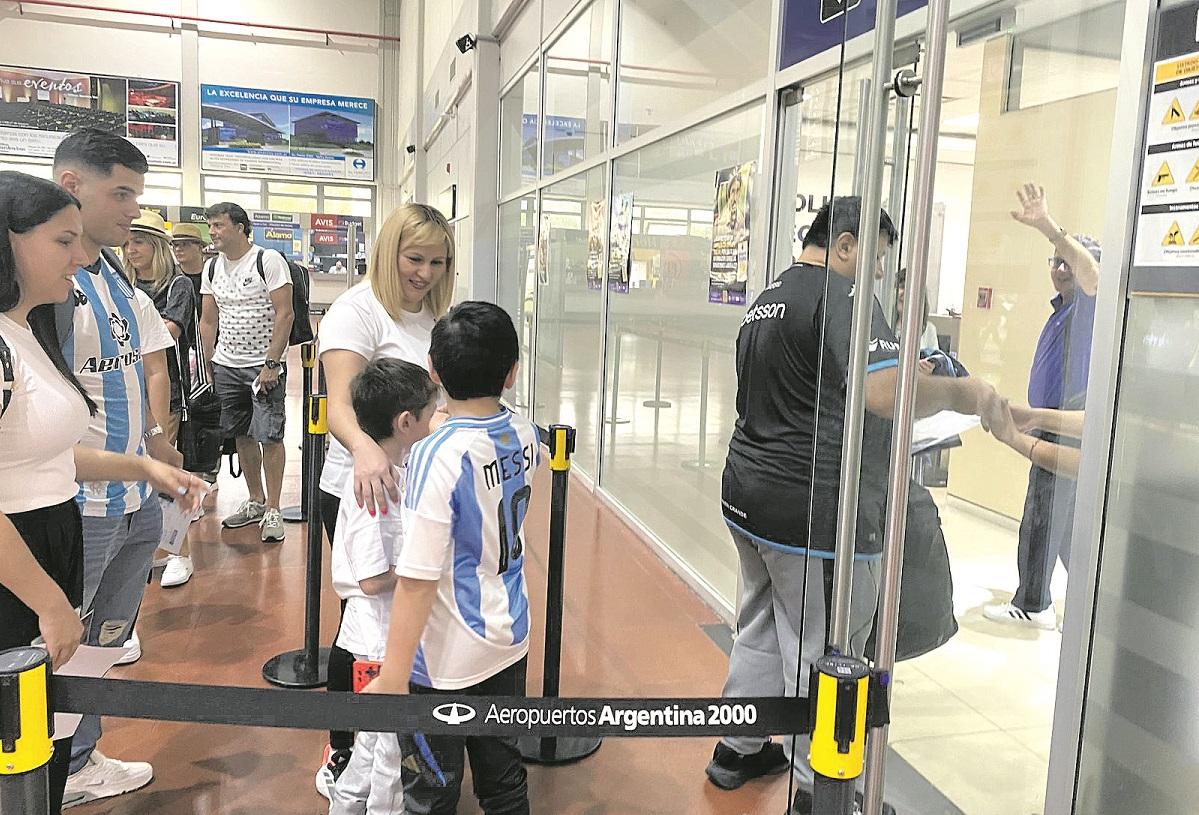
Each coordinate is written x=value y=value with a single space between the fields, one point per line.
x=200 y=423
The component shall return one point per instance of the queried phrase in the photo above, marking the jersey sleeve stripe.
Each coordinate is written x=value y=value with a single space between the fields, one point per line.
x=468 y=549
x=426 y=464
x=882 y=365
x=419 y=458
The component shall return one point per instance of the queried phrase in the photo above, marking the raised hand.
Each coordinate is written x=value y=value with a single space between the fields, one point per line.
x=1034 y=209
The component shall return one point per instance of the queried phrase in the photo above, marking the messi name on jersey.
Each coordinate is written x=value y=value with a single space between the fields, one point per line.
x=511 y=465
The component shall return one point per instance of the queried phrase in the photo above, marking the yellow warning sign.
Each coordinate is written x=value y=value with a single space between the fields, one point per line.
x=1195 y=112
x=1193 y=178
x=1195 y=238
x=1164 y=177
x=1174 y=115
x=1174 y=236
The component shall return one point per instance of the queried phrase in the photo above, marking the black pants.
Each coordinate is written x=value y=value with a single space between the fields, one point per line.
x=499 y=778
x=54 y=536
x=341 y=661
x=1045 y=530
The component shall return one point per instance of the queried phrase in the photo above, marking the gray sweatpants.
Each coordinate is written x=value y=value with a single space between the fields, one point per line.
x=767 y=644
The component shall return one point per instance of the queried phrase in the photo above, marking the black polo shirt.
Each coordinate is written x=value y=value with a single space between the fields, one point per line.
x=768 y=476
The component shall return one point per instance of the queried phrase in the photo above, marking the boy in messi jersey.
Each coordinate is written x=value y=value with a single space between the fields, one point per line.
x=460 y=614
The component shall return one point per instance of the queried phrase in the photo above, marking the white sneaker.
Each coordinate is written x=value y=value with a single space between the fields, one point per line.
x=178 y=571
x=133 y=651
x=1007 y=613
x=104 y=777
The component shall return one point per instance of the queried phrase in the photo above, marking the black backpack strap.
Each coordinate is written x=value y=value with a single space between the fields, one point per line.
x=211 y=269
x=8 y=376
x=262 y=253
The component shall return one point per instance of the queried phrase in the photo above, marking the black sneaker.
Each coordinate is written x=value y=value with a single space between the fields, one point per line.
x=335 y=763
x=728 y=769
x=802 y=805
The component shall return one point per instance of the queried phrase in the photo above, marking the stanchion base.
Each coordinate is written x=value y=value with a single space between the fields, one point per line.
x=657 y=404
x=294 y=515
x=556 y=750
x=619 y=420
x=294 y=670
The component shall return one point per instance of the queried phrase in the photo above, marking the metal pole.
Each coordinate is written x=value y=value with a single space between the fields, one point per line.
x=299 y=514
x=863 y=146
x=351 y=253
x=26 y=730
x=863 y=306
x=901 y=439
x=899 y=172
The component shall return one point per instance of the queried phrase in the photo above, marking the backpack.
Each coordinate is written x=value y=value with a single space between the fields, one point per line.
x=301 y=324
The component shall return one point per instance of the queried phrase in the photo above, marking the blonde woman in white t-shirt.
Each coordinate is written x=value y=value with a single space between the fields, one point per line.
x=409 y=286
x=44 y=412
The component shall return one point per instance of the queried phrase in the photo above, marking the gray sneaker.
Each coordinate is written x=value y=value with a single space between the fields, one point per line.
x=249 y=512
x=272 y=526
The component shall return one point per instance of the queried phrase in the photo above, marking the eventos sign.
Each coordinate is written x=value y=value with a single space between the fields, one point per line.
x=811 y=27
x=284 y=133
x=38 y=108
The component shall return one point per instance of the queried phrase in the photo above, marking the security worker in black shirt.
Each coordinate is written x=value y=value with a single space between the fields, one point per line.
x=782 y=476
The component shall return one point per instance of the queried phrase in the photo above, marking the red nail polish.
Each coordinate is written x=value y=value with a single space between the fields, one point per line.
x=372 y=512
x=384 y=509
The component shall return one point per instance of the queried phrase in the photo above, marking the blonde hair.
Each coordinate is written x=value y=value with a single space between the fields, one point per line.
x=163 y=266
x=411 y=225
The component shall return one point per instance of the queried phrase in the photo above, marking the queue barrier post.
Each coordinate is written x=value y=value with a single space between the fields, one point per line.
x=555 y=749
x=299 y=514
x=309 y=666
x=845 y=697
x=26 y=732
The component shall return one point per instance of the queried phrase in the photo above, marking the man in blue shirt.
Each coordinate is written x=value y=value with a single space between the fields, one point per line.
x=1058 y=380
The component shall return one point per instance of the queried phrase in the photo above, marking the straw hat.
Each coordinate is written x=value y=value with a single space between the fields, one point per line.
x=151 y=223
x=187 y=232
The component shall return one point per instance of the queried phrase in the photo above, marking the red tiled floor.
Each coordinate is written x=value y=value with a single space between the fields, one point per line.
x=631 y=629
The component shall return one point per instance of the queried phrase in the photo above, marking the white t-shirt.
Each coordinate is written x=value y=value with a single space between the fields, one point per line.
x=364 y=547
x=114 y=327
x=358 y=322
x=469 y=486
x=245 y=313
x=45 y=417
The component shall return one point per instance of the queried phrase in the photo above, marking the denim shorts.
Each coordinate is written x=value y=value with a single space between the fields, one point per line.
x=260 y=417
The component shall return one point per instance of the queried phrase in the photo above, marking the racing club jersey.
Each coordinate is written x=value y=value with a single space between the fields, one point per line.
x=792 y=368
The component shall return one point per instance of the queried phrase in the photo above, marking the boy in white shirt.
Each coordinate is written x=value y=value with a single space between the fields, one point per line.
x=460 y=614
x=393 y=402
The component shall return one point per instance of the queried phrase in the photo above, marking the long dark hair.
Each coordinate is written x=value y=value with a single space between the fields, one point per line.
x=26 y=203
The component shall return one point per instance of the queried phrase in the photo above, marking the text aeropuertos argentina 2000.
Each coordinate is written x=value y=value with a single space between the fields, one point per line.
x=626 y=718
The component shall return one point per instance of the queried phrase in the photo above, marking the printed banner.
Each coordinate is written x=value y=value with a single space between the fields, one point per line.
x=811 y=27
x=730 y=235
x=278 y=132
x=328 y=239
x=39 y=108
x=279 y=231
x=597 y=212
x=621 y=243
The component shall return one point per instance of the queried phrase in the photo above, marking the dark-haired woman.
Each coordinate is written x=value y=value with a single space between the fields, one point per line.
x=44 y=412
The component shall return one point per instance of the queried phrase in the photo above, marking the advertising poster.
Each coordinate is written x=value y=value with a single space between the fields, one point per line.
x=279 y=231
x=730 y=235
x=813 y=26
x=621 y=243
x=596 y=216
x=39 y=108
x=278 y=132
x=328 y=240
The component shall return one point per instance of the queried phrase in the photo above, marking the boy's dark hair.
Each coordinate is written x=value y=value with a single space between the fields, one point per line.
x=843 y=215
x=384 y=389
x=99 y=151
x=473 y=348
x=235 y=212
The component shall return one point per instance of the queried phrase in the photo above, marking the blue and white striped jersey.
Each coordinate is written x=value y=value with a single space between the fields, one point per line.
x=114 y=326
x=469 y=486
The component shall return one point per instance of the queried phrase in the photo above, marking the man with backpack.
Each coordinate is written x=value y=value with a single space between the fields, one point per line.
x=246 y=325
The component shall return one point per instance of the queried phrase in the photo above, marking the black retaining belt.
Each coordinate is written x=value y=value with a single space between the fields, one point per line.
x=430 y=713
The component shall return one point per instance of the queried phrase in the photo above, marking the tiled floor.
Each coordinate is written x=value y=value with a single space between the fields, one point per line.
x=972 y=718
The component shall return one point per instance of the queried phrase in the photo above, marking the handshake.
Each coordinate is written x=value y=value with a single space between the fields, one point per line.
x=999 y=417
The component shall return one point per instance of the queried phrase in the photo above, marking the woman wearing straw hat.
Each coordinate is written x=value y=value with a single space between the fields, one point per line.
x=151 y=266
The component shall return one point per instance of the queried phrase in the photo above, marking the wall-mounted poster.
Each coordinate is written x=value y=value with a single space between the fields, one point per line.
x=39 y=108
x=278 y=132
x=328 y=243
x=279 y=231
x=621 y=246
x=596 y=215
x=730 y=235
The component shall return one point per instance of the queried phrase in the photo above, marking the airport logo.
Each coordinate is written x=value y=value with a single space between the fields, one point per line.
x=359 y=164
x=454 y=713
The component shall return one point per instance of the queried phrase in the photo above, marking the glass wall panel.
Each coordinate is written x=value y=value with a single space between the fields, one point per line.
x=519 y=133
x=577 y=72
x=671 y=383
x=569 y=302
x=1072 y=56
x=515 y=286
x=520 y=41
x=679 y=55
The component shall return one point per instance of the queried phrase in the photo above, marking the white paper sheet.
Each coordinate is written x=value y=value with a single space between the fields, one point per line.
x=940 y=428
x=175 y=522
x=89 y=660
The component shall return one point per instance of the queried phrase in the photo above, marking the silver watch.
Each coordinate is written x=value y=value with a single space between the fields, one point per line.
x=152 y=432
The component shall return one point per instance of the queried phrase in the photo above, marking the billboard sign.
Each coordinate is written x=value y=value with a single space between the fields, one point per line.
x=38 y=108
x=284 y=133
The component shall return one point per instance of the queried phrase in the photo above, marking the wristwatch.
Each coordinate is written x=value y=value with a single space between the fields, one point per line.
x=273 y=365
x=152 y=432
